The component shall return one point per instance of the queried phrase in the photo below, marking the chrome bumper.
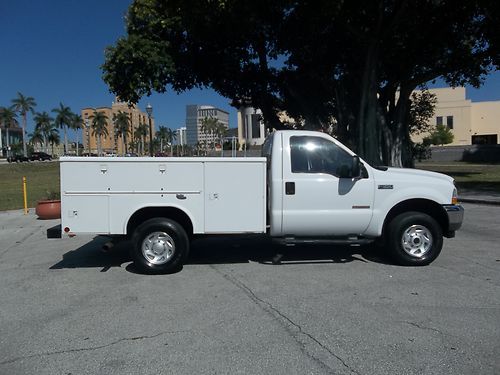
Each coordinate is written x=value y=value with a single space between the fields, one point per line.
x=455 y=216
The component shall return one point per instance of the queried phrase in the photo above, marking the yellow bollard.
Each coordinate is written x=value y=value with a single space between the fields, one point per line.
x=25 y=195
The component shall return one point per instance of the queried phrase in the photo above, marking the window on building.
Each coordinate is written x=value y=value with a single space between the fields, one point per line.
x=449 y=122
x=439 y=120
x=256 y=126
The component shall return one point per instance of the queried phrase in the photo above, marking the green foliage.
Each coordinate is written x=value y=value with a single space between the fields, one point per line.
x=355 y=62
x=23 y=105
x=122 y=124
x=440 y=136
x=8 y=117
x=422 y=106
x=99 y=128
x=421 y=151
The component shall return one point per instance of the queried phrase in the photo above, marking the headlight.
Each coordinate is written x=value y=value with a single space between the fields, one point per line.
x=454 y=197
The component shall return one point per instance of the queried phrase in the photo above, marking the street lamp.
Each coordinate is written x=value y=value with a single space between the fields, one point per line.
x=149 y=111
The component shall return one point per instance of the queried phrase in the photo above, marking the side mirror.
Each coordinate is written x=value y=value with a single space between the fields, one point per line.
x=356 y=167
x=351 y=171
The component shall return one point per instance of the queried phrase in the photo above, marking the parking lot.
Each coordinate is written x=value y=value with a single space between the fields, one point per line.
x=69 y=308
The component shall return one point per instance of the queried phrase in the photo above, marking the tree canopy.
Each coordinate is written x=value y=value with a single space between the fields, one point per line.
x=347 y=66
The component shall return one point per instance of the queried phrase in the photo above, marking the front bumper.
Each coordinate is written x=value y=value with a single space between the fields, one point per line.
x=455 y=214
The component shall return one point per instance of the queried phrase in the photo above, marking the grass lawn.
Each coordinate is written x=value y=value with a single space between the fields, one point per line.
x=480 y=177
x=41 y=177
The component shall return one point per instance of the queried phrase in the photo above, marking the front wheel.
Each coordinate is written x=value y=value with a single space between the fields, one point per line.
x=414 y=239
x=159 y=245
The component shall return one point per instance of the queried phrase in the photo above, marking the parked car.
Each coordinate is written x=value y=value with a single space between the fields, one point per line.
x=17 y=158
x=161 y=154
x=42 y=156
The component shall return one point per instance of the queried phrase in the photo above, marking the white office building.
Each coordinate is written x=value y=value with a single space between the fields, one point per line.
x=251 y=128
x=181 y=136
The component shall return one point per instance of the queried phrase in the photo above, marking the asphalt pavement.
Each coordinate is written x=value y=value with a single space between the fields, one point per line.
x=68 y=308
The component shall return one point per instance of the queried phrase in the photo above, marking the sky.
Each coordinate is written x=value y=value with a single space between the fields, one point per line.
x=52 y=50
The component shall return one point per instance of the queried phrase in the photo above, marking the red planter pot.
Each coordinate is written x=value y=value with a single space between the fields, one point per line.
x=48 y=209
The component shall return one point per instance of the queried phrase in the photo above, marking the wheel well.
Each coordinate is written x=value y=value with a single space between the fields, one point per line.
x=431 y=208
x=147 y=213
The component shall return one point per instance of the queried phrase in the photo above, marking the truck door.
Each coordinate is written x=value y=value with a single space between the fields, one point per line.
x=316 y=201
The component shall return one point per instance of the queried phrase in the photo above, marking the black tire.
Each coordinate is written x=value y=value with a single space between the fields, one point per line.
x=414 y=239
x=172 y=249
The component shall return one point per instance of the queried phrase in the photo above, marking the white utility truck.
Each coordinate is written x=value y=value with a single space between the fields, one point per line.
x=306 y=187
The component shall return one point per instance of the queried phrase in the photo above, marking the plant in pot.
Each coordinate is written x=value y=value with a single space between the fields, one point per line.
x=50 y=207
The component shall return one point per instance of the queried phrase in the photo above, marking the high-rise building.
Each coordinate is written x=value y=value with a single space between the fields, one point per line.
x=194 y=118
x=181 y=136
x=112 y=143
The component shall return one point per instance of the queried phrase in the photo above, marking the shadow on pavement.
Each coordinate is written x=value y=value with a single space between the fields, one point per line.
x=223 y=250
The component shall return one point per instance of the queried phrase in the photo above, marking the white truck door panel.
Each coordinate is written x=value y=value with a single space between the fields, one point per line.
x=322 y=204
x=235 y=197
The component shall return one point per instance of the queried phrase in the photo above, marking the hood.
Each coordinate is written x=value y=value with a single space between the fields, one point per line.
x=419 y=173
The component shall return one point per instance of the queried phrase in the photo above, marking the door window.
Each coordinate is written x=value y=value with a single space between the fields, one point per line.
x=317 y=155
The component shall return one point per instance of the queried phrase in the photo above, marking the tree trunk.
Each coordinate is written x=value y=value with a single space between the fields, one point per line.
x=368 y=145
x=65 y=140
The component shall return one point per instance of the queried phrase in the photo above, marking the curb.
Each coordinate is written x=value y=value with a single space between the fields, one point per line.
x=480 y=201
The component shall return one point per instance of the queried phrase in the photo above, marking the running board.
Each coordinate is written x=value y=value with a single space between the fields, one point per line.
x=351 y=240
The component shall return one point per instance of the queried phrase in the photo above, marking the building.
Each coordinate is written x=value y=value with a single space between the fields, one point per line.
x=181 y=136
x=470 y=122
x=251 y=128
x=194 y=117
x=15 y=138
x=113 y=143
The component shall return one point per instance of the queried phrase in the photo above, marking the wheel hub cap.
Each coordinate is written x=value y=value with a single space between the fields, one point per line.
x=158 y=248
x=417 y=241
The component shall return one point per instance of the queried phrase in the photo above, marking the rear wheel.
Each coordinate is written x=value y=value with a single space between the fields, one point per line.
x=159 y=245
x=414 y=239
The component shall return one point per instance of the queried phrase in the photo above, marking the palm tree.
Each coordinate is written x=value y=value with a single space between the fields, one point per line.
x=99 y=128
x=8 y=119
x=53 y=138
x=140 y=132
x=76 y=124
x=122 y=126
x=63 y=120
x=220 y=132
x=23 y=105
x=162 y=135
x=210 y=126
x=43 y=124
x=171 y=136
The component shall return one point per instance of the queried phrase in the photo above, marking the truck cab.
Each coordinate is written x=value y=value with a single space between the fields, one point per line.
x=319 y=189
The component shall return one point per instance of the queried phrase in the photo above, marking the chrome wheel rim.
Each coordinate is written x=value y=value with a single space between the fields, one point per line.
x=158 y=248
x=417 y=241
